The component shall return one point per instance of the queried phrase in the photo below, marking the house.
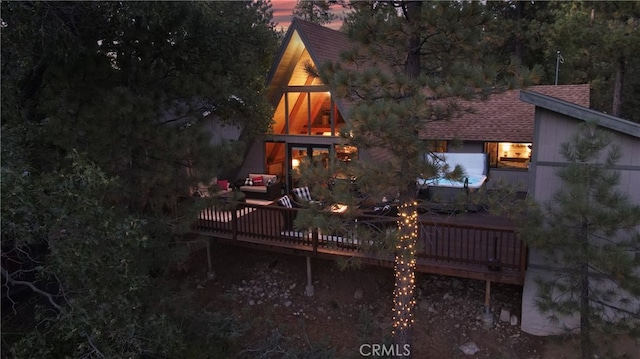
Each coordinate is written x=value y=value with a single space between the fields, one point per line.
x=501 y=126
x=308 y=117
x=555 y=122
x=520 y=131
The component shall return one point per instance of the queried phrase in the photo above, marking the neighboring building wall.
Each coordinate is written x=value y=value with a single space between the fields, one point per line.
x=518 y=179
x=254 y=162
x=219 y=132
x=551 y=130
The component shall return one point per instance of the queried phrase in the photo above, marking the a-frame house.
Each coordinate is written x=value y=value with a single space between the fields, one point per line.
x=307 y=117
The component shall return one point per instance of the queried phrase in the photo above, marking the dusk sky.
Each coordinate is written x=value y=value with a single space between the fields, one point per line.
x=283 y=10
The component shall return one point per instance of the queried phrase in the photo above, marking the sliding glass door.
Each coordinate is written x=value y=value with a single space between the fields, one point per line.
x=297 y=153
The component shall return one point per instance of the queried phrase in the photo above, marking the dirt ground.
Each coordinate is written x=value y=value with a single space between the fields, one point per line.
x=350 y=310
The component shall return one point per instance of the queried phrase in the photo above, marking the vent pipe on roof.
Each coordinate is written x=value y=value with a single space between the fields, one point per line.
x=559 y=60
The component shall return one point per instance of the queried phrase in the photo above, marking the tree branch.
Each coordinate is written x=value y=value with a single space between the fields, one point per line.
x=32 y=287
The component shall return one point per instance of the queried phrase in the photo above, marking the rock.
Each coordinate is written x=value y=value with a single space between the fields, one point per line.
x=251 y=302
x=424 y=305
x=358 y=294
x=292 y=287
x=469 y=348
x=199 y=286
x=513 y=320
x=432 y=309
x=505 y=314
x=288 y=303
x=446 y=296
x=455 y=283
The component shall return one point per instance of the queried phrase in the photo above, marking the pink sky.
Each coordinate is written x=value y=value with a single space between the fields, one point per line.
x=283 y=10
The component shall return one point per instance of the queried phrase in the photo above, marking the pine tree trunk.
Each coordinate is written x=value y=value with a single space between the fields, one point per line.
x=585 y=323
x=616 y=106
x=412 y=64
x=519 y=43
x=404 y=302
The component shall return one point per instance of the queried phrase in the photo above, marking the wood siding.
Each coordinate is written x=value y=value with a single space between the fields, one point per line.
x=553 y=129
x=519 y=179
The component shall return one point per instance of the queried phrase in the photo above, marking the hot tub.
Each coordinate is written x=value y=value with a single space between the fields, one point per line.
x=450 y=192
x=471 y=182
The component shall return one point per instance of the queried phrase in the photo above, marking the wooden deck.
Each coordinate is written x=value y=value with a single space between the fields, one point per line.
x=472 y=245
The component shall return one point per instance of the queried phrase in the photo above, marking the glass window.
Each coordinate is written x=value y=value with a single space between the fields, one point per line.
x=346 y=153
x=509 y=154
x=307 y=113
x=437 y=146
x=298 y=110
x=275 y=158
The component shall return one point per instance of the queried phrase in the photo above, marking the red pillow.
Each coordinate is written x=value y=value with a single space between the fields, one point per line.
x=223 y=185
x=257 y=181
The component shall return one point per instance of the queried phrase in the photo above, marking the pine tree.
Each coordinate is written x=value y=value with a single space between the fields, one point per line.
x=104 y=105
x=598 y=41
x=135 y=84
x=590 y=232
x=411 y=61
x=518 y=32
x=316 y=11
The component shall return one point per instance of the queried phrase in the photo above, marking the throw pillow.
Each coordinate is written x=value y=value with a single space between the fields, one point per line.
x=223 y=185
x=257 y=181
x=285 y=202
x=248 y=182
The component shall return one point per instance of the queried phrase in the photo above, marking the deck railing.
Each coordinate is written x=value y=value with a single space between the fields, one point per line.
x=479 y=248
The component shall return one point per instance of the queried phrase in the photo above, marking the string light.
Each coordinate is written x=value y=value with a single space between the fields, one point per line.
x=405 y=263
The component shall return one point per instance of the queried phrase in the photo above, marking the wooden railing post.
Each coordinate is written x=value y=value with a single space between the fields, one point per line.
x=523 y=254
x=234 y=224
x=314 y=241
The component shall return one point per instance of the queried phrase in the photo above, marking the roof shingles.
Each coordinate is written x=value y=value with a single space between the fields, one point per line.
x=503 y=117
x=323 y=43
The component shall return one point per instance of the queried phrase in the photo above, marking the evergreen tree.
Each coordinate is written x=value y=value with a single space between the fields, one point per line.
x=590 y=232
x=104 y=107
x=518 y=30
x=411 y=61
x=134 y=85
x=598 y=41
x=316 y=11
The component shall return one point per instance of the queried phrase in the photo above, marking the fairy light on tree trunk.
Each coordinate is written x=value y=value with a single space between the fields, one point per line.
x=405 y=265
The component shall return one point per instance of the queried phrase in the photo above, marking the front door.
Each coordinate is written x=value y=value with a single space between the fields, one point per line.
x=297 y=153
